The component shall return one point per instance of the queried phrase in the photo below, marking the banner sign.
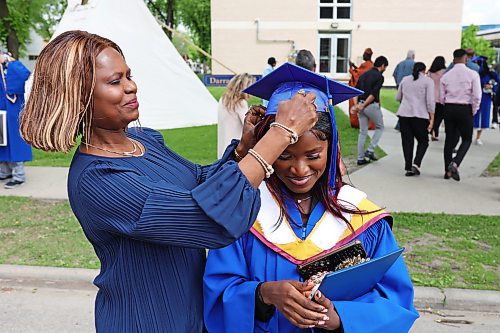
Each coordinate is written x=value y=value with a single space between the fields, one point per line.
x=220 y=80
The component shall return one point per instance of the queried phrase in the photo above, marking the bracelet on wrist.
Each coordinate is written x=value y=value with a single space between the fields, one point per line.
x=237 y=157
x=294 y=137
x=268 y=169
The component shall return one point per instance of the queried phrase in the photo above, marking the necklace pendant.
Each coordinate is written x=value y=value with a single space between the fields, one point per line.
x=299 y=201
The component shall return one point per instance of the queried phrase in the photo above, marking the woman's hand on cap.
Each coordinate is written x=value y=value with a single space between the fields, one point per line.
x=298 y=113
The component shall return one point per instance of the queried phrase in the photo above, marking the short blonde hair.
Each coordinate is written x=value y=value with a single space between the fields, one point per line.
x=233 y=94
x=59 y=107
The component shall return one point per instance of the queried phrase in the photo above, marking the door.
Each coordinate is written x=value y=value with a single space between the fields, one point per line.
x=334 y=53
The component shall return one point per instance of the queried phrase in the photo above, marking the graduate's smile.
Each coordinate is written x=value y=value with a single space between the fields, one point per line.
x=299 y=181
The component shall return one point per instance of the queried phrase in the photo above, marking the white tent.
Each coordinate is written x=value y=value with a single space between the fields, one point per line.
x=169 y=93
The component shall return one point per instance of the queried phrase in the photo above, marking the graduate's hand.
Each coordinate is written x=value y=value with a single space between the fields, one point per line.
x=288 y=297
x=298 y=113
x=334 y=320
x=252 y=117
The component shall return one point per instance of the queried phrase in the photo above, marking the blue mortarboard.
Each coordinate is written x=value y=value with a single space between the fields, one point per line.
x=285 y=81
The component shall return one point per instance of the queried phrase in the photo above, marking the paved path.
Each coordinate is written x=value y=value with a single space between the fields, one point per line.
x=65 y=297
x=385 y=183
x=41 y=183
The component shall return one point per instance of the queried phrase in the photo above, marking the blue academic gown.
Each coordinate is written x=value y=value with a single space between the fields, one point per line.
x=233 y=273
x=17 y=150
x=482 y=116
x=149 y=220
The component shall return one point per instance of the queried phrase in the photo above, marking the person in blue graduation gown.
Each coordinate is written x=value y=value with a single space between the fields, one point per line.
x=253 y=285
x=489 y=79
x=17 y=151
x=148 y=212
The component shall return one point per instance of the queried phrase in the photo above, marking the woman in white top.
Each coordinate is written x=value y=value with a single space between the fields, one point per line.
x=231 y=111
x=416 y=116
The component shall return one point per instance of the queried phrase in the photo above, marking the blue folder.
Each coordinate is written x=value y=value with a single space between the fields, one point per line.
x=352 y=282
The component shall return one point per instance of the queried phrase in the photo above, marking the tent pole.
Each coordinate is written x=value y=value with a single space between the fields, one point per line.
x=205 y=53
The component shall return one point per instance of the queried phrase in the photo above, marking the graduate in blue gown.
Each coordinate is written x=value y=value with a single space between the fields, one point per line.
x=489 y=79
x=306 y=211
x=17 y=151
x=149 y=213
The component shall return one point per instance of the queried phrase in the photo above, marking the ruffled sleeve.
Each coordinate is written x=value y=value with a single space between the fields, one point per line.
x=213 y=214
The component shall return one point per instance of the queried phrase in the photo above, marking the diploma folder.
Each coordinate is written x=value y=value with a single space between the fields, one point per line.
x=352 y=282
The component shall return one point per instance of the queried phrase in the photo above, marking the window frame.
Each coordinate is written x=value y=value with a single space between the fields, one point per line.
x=335 y=4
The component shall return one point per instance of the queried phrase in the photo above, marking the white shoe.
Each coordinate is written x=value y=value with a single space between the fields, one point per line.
x=478 y=142
x=494 y=125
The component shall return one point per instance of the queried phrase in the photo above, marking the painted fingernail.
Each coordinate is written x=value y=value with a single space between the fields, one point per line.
x=326 y=318
x=321 y=322
x=324 y=311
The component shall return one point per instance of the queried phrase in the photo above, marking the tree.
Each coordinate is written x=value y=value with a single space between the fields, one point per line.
x=166 y=11
x=195 y=16
x=480 y=45
x=18 y=17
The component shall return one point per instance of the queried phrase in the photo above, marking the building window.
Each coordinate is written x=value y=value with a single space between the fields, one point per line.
x=335 y=9
x=334 y=53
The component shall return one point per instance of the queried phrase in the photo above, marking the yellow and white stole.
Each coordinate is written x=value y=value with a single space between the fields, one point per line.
x=329 y=233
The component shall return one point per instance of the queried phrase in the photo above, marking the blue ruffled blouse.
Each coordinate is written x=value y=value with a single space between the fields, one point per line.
x=150 y=220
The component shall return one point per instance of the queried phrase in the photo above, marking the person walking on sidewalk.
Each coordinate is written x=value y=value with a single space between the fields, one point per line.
x=17 y=151
x=403 y=69
x=460 y=92
x=149 y=213
x=416 y=116
x=367 y=106
x=437 y=70
x=356 y=72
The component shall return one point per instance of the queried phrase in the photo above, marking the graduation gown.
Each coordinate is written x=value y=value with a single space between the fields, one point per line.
x=267 y=253
x=17 y=150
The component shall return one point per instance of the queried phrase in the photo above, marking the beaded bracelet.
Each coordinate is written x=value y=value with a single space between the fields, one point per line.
x=268 y=169
x=293 y=135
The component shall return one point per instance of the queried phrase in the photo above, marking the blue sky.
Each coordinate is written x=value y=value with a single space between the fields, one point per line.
x=481 y=12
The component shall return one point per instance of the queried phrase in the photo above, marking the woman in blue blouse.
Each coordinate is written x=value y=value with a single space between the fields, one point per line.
x=148 y=212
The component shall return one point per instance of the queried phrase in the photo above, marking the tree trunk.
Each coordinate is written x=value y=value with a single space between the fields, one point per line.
x=12 y=40
x=170 y=17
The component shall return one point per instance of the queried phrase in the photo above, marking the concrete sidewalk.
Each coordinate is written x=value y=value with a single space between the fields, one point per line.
x=65 y=297
x=386 y=185
x=41 y=183
x=81 y=279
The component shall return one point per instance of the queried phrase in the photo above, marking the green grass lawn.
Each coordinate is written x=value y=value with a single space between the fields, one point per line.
x=493 y=169
x=441 y=250
x=388 y=99
x=451 y=250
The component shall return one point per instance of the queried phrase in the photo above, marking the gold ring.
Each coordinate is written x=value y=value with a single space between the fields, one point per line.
x=302 y=92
